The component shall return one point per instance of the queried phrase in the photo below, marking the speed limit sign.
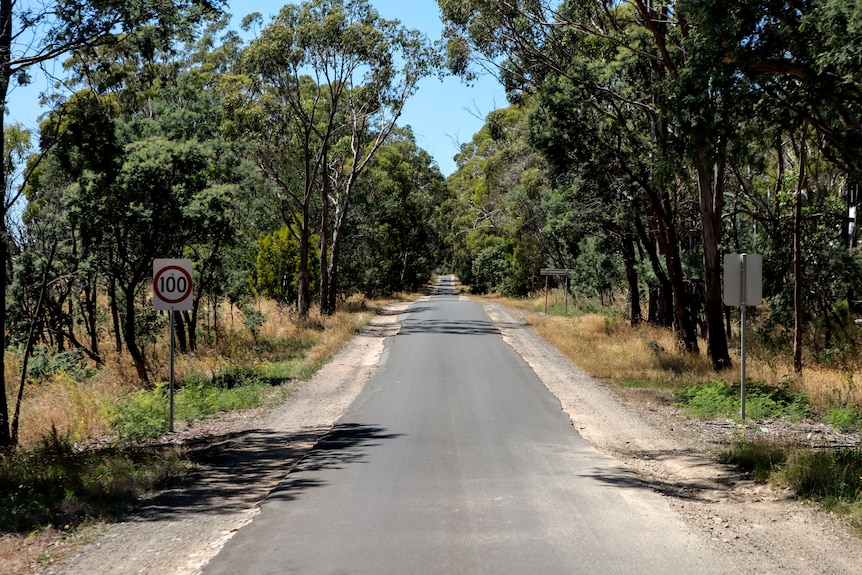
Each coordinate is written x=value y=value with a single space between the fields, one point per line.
x=172 y=284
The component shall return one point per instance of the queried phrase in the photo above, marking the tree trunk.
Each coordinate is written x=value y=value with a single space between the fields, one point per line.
x=192 y=325
x=130 y=338
x=303 y=291
x=6 y=442
x=90 y=316
x=180 y=330
x=686 y=335
x=628 y=247
x=660 y=310
x=335 y=247
x=711 y=187
x=115 y=314
x=325 y=277
x=797 y=261
x=332 y=292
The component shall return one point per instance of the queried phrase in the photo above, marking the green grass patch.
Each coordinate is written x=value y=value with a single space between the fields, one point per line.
x=844 y=418
x=146 y=413
x=716 y=398
x=760 y=459
x=54 y=486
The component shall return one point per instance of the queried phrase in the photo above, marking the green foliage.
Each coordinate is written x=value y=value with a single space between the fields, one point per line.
x=253 y=319
x=141 y=414
x=489 y=269
x=844 y=418
x=720 y=399
x=146 y=412
x=825 y=475
x=44 y=363
x=397 y=224
x=498 y=235
x=758 y=458
x=598 y=271
x=53 y=485
x=277 y=270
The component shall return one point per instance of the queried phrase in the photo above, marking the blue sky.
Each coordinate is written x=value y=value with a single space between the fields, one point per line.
x=443 y=114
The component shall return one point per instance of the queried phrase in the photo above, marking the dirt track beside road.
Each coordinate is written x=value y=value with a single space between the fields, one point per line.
x=758 y=529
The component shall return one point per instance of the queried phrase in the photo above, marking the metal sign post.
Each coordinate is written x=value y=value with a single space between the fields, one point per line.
x=172 y=291
x=743 y=285
x=556 y=272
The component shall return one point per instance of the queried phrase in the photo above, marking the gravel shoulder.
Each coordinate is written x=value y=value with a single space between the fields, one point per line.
x=756 y=528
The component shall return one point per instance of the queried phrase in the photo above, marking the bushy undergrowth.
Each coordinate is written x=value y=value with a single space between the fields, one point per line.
x=716 y=398
x=830 y=477
x=54 y=486
x=47 y=483
x=146 y=413
x=758 y=458
x=844 y=418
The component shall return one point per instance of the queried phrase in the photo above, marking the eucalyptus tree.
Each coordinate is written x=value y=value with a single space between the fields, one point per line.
x=150 y=174
x=331 y=78
x=802 y=59
x=395 y=230
x=500 y=235
x=630 y=62
x=36 y=32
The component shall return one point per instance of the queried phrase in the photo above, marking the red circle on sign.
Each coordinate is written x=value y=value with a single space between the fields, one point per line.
x=183 y=296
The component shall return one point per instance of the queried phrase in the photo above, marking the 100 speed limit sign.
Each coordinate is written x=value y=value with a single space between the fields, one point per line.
x=172 y=284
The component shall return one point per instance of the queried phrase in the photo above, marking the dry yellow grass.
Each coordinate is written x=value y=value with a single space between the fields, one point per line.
x=77 y=409
x=612 y=350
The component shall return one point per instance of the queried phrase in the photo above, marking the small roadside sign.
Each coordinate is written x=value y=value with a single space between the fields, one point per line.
x=743 y=286
x=172 y=291
x=172 y=284
x=743 y=279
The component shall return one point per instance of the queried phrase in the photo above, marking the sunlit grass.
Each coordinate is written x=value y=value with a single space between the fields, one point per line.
x=615 y=352
x=51 y=489
x=284 y=350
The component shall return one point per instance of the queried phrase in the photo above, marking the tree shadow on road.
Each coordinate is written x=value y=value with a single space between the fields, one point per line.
x=464 y=327
x=693 y=487
x=232 y=475
x=246 y=467
x=346 y=443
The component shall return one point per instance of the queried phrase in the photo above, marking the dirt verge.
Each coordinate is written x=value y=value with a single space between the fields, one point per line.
x=756 y=528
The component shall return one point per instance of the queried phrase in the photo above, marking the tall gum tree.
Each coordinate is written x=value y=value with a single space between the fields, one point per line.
x=32 y=33
x=333 y=76
x=530 y=42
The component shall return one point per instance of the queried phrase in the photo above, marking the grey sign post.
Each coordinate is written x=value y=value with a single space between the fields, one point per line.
x=172 y=291
x=743 y=286
x=556 y=272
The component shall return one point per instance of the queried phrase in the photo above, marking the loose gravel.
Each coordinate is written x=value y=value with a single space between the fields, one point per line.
x=758 y=529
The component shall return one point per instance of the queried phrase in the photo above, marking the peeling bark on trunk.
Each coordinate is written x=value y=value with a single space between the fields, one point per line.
x=711 y=188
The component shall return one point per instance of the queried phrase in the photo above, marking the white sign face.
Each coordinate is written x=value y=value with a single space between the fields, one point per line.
x=172 y=284
x=739 y=268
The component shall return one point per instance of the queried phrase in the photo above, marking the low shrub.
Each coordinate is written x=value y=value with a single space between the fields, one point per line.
x=830 y=476
x=758 y=458
x=146 y=413
x=843 y=418
x=55 y=486
x=716 y=398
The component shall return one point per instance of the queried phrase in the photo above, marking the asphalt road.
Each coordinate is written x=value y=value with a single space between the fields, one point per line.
x=455 y=459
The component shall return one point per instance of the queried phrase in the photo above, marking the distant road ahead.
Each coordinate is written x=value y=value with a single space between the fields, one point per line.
x=455 y=459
